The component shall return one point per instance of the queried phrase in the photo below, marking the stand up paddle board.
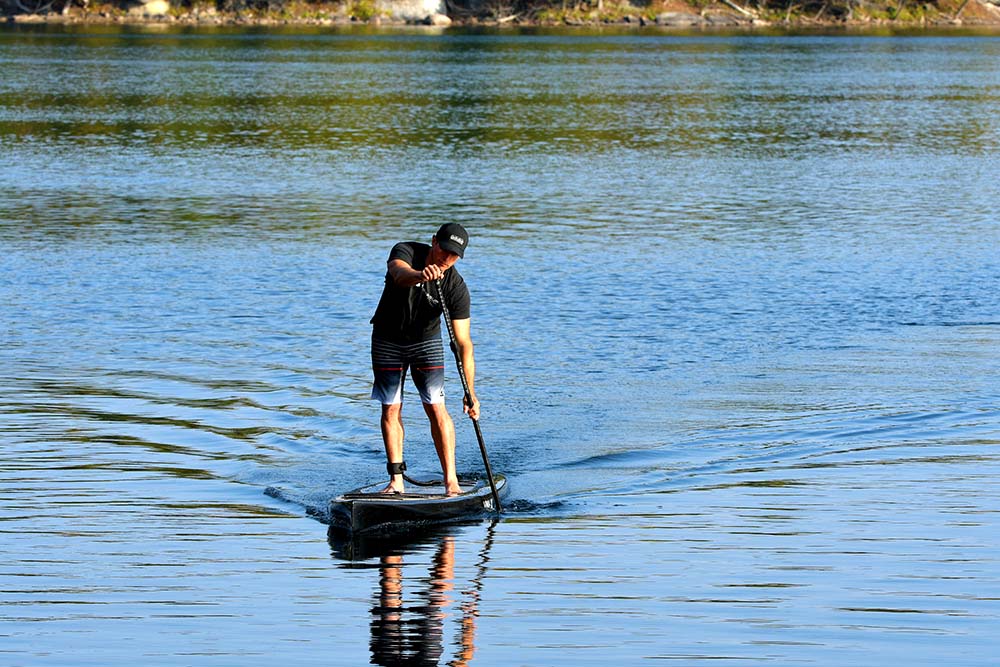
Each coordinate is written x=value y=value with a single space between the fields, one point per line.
x=366 y=510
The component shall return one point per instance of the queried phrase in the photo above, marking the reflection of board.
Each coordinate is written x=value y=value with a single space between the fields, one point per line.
x=367 y=510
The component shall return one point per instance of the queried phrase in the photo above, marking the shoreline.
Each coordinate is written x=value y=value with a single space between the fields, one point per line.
x=676 y=15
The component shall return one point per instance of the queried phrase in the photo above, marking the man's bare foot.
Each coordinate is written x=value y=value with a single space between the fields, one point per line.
x=453 y=490
x=393 y=488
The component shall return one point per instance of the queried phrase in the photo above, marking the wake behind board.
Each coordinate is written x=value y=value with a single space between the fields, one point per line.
x=365 y=510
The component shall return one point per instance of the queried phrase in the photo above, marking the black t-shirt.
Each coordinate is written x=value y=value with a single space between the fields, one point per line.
x=413 y=314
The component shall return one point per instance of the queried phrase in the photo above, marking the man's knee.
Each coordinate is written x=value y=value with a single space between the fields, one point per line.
x=392 y=413
x=437 y=412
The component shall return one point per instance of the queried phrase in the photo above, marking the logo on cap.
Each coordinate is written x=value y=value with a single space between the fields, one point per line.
x=458 y=239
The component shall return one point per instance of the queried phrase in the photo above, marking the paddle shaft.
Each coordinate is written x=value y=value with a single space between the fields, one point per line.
x=468 y=393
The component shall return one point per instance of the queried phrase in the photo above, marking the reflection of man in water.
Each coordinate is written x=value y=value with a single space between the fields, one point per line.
x=413 y=634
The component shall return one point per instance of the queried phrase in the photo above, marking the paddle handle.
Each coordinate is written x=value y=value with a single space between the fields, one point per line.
x=468 y=394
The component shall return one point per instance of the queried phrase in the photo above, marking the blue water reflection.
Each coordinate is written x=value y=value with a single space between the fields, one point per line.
x=736 y=327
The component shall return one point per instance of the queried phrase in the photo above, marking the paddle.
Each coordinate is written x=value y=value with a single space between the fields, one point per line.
x=468 y=394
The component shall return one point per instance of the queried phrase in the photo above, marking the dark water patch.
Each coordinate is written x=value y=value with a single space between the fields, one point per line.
x=950 y=324
x=96 y=416
x=524 y=506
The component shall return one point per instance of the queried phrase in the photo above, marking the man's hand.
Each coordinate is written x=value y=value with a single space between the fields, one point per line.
x=431 y=273
x=471 y=410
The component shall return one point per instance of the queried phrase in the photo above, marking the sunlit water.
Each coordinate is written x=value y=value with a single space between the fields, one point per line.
x=736 y=315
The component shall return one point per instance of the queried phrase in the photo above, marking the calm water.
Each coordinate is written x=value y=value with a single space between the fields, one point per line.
x=737 y=324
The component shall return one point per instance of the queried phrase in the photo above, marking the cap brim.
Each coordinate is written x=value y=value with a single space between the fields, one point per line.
x=452 y=247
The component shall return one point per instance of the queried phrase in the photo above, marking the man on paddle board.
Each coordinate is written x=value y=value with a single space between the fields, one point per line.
x=406 y=335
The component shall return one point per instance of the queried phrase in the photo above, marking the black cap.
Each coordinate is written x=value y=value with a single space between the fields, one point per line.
x=453 y=238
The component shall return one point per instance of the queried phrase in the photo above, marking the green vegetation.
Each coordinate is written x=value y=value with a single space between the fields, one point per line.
x=551 y=12
x=362 y=10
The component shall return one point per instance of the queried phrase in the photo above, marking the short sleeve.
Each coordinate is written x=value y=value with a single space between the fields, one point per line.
x=459 y=301
x=403 y=251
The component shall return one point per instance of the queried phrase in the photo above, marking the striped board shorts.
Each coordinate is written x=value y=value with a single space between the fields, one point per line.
x=390 y=362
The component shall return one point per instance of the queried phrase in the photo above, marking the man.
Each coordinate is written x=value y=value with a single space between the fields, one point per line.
x=406 y=334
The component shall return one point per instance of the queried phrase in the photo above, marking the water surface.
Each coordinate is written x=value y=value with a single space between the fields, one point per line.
x=736 y=319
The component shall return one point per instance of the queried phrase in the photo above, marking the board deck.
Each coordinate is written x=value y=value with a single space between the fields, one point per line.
x=367 y=510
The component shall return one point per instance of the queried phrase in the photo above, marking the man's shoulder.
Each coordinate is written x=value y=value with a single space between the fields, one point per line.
x=454 y=278
x=407 y=250
x=416 y=245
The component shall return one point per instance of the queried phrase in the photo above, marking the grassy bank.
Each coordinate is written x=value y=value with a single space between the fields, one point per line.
x=690 y=14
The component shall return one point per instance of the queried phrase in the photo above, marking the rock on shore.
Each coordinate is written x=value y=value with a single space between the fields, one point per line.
x=150 y=8
x=413 y=11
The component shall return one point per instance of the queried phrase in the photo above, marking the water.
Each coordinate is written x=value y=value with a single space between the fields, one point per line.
x=736 y=320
